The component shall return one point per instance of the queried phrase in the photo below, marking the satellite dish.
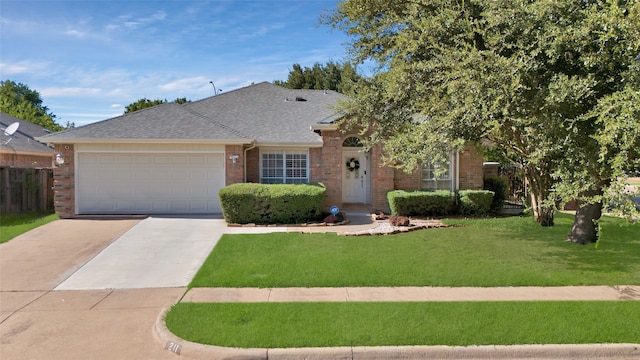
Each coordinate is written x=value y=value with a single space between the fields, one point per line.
x=11 y=129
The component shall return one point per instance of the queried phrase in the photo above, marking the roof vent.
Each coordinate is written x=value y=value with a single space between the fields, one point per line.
x=300 y=98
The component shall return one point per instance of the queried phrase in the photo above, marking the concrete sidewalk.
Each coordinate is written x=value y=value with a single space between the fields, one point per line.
x=400 y=294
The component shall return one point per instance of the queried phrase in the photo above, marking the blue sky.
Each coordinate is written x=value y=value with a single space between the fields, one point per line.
x=89 y=59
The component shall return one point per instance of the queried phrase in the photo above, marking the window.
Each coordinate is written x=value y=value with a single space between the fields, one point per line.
x=352 y=142
x=284 y=167
x=437 y=176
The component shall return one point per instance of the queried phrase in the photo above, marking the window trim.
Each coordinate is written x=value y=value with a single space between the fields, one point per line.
x=284 y=179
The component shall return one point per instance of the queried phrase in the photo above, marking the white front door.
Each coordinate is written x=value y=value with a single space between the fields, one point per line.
x=355 y=173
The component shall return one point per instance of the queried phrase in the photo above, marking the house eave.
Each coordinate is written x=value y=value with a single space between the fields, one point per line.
x=26 y=152
x=144 y=141
x=315 y=144
x=324 y=127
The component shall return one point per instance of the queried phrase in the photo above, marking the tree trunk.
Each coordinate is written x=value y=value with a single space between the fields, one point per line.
x=540 y=190
x=584 y=228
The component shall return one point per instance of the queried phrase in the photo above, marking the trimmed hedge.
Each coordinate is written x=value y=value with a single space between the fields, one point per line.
x=499 y=187
x=421 y=203
x=271 y=203
x=475 y=202
x=439 y=202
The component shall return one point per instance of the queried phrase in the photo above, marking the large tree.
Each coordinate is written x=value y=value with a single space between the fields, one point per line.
x=19 y=100
x=542 y=79
x=340 y=77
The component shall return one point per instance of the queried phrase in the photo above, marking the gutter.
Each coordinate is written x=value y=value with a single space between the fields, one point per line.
x=457 y=170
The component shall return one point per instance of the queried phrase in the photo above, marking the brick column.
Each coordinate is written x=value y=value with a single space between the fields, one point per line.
x=382 y=180
x=330 y=172
x=64 y=198
x=471 y=174
x=234 y=171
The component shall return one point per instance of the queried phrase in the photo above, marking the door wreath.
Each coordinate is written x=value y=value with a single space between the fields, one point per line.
x=353 y=164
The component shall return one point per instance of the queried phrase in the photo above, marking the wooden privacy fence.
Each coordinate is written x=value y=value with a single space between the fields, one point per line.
x=26 y=190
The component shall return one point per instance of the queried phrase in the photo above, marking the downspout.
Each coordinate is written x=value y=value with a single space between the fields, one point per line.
x=244 y=159
x=457 y=170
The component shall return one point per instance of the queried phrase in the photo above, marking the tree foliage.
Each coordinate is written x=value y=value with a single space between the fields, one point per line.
x=146 y=103
x=331 y=76
x=545 y=80
x=19 y=100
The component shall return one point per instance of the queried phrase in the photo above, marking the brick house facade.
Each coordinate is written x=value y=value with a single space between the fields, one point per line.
x=139 y=163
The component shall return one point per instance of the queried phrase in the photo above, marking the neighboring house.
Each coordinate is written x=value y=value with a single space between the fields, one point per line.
x=174 y=158
x=22 y=150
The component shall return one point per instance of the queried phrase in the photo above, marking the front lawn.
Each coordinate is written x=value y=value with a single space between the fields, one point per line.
x=511 y=251
x=281 y=325
x=14 y=225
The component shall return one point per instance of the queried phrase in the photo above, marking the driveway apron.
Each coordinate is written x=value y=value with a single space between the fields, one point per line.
x=158 y=252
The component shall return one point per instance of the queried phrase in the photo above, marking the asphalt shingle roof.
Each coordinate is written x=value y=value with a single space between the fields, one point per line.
x=24 y=138
x=264 y=112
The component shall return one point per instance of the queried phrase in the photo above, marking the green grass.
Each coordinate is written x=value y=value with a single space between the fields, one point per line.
x=511 y=251
x=14 y=225
x=276 y=325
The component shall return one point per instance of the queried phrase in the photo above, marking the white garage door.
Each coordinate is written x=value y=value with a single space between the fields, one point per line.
x=155 y=183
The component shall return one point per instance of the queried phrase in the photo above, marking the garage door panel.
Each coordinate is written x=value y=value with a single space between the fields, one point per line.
x=149 y=183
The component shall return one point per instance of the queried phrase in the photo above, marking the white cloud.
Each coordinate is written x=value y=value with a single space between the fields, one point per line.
x=128 y=22
x=185 y=85
x=263 y=30
x=75 y=33
x=71 y=91
x=21 y=67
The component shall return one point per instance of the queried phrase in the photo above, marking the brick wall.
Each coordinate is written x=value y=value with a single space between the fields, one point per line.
x=325 y=166
x=329 y=167
x=382 y=180
x=234 y=172
x=253 y=165
x=64 y=182
x=25 y=161
x=471 y=174
x=407 y=181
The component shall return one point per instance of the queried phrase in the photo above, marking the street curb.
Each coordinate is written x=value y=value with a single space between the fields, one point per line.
x=193 y=350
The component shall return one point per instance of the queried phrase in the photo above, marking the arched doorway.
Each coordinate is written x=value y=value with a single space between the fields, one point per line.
x=355 y=172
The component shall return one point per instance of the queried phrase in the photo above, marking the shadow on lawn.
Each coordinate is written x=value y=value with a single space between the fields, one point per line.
x=617 y=252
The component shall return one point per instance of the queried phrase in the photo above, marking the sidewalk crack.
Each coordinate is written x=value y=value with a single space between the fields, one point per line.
x=101 y=300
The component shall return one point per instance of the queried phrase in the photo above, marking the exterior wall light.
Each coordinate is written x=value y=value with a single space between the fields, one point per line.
x=234 y=158
x=59 y=159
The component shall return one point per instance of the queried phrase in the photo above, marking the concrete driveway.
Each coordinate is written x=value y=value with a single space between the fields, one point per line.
x=159 y=251
x=93 y=289
x=38 y=323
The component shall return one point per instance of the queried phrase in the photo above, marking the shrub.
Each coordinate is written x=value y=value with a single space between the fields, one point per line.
x=271 y=204
x=475 y=202
x=499 y=187
x=421 y=203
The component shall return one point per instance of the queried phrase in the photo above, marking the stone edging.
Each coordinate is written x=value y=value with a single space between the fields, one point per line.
x=345 y=222
x=193 y=350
